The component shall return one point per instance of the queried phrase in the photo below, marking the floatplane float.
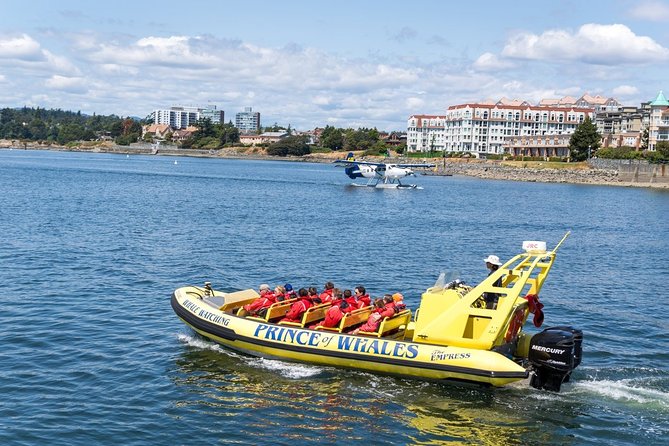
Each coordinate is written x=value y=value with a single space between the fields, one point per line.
x=452 y=336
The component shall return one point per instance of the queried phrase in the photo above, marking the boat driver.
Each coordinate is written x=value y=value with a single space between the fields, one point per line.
x=492 y=263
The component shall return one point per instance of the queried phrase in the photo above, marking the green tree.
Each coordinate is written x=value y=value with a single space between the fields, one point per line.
x=70 y=132
x=662 y=148
x=585 y=140
x=332 y=138
x=290 y=145
x=205 y=128
x=361 y=139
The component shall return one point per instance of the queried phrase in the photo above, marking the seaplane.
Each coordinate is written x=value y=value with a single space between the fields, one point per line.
x=380 y=175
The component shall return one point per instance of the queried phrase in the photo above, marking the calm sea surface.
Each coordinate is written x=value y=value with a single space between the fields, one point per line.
x=94 y=244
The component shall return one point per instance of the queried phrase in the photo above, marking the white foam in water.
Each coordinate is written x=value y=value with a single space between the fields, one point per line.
x=287 y=369
x=200 y=343
x=624 y=390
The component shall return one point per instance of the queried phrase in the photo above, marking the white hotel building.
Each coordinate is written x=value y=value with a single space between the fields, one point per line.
x=494 y=128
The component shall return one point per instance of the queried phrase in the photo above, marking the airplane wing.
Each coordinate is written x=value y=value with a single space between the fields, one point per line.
x=356 y=163
x=426 y=165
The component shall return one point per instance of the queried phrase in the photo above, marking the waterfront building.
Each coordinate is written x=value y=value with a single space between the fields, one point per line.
x=426 y=133
x=180 y=117
x=263 y=138
x=247 y=121
x=159 y=131
x=183 y=134
x=484 y=128
x=658 y=128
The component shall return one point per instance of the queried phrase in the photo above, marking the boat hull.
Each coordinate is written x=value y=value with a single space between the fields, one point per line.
x=378 y=355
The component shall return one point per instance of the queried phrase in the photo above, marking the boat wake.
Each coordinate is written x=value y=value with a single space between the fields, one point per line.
x=285 y=369
x=200 y=343
x=628 y=391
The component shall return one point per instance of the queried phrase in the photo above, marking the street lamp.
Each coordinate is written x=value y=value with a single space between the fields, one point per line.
x=588 y=151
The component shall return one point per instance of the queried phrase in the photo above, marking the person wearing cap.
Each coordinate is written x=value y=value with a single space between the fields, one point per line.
x=266 y=299
x=290 y=292
x=399 y=302
x=492 y=263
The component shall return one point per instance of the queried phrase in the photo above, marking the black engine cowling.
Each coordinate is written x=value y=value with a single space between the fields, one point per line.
x=553 y=354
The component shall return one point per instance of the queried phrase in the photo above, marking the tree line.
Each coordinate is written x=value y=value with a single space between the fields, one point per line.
x=60 y=126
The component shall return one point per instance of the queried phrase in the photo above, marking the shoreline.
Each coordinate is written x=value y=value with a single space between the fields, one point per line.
x=476 y=168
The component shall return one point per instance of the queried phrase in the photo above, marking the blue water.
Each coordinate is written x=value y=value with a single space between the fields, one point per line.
x=94 y=244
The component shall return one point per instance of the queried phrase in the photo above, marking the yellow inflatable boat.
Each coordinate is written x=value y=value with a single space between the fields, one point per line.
x=457 y=334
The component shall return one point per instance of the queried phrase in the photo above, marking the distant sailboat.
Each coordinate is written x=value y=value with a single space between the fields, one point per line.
x=175 y=162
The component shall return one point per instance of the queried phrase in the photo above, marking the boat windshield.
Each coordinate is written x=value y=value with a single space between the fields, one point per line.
x=447 y=279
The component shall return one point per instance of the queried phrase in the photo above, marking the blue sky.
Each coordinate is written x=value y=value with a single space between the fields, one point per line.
x=309 y=63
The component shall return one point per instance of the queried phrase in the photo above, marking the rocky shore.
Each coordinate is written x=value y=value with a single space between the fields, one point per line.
x=496 y=170
x=579 y=173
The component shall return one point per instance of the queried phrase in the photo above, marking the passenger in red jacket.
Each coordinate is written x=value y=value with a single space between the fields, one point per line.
x=266 y=299
x=380 y=311
x=361 y=297
x=350 y=300
x=334 y=314
x=298 y=308
x=313 y=295
x=389 y=303
x=399 y=302
x=327 y=294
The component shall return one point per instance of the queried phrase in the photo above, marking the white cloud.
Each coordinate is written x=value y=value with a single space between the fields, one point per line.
x=490 y=62
x=413 y=103
x=592 y=43
x=22 y=47
x=27 y=52
x=653 y=11
x=321 y=100
x=174 y=51
x=67 y=84
x=625 y=90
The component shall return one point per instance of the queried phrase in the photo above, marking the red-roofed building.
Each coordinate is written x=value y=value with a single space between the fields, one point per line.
x=487 y=128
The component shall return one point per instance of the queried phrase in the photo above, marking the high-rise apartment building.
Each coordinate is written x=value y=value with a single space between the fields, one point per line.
x=247 y=121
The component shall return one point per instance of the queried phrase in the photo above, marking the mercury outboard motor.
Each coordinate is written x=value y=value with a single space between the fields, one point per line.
x=553 y=354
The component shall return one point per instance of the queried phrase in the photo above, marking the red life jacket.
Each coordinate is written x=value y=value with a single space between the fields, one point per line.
x=373 y=322
x=333 y=316
x=264 y=301
x=352 y=304
x=364 y=301
x=326 y=296
x=390 y=309
x=297 y=310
